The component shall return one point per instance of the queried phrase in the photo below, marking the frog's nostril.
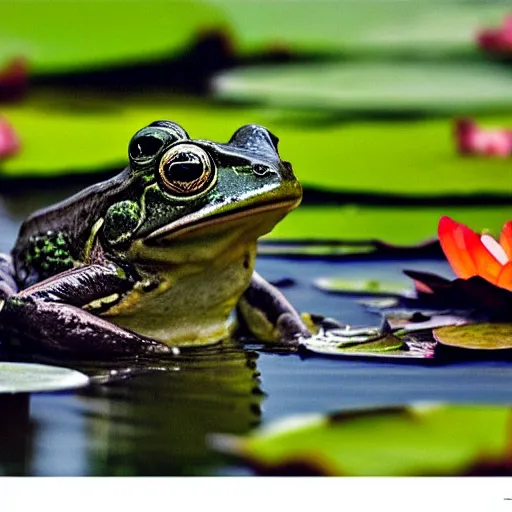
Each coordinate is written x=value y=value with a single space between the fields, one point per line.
x=261 y=170
x=266 y=171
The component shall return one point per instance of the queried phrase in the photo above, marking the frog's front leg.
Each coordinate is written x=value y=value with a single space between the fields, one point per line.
x=268 y=315
x=48 y=315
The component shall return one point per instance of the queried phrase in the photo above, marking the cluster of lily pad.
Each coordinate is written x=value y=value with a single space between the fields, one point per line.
x=471 y=312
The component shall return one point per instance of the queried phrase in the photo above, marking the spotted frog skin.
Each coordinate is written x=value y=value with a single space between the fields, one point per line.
x=156 y=257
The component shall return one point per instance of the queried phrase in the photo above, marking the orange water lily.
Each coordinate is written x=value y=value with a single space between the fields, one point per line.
x=470 y=254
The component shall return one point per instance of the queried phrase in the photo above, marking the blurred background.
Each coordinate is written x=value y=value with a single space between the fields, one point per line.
x=364 y=96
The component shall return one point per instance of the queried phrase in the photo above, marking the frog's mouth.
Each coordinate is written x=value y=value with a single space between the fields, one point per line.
x=201 y=220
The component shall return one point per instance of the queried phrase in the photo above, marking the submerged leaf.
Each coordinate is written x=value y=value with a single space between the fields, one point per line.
x=30 y=378
x=481 y=336
x=414 y=440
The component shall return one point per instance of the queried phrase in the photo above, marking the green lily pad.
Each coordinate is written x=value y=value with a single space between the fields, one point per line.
x=400 y=441
x=32 y=378
x=361 y=286
x=65 y=34
x=338 y=343
x=482 y=336
x=369 y=157
x=379 y=303
x=274 y=247
x=447 y=87
x=365 y=26
x=61 y=134
x=354 y=223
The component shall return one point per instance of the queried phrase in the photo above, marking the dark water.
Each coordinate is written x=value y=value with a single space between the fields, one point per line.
x=155 y=419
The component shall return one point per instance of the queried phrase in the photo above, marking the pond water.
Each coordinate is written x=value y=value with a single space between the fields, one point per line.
x=155 y=418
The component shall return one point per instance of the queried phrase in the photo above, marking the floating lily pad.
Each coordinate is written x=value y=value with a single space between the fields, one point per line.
x=379 y=303
x=272 y=247
x=368 y=27
x=334 y=343
x=447 y=87
x=31 y=378
x=481 y=336
x=361 y=286
x=65 y=34
x=359 y=158
x=414 y=320
x=398 y=441
x=353 y=223
x=365 y=26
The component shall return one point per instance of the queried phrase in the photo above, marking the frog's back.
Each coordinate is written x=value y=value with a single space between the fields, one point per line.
x=53 y=239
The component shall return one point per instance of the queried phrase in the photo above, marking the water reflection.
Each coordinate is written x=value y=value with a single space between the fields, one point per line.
x=156 y=423
x=16 y=434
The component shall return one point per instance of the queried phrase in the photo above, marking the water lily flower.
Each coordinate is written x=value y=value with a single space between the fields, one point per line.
x=473 y=140
x=470 y=254
x=9 y=140
x=497 y=40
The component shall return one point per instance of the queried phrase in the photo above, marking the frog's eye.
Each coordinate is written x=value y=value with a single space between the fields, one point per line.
x=175 y=131
x=146 y=144
x=186 y=170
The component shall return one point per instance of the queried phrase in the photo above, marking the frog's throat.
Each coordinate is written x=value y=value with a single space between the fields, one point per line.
x=198 y=221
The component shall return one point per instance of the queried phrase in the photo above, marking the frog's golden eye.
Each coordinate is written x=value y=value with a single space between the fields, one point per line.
x=186 y=170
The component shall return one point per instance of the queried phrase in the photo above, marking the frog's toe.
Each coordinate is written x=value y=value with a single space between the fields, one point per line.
x=291 y=329
x=156 y=348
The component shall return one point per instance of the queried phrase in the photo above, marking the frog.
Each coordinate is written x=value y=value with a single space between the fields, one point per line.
x=159 y=257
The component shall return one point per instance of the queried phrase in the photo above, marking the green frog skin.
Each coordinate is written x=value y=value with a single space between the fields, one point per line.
x=156 y=257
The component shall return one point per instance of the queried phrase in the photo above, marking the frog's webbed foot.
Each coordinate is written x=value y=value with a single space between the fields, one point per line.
x=265 y=312
x=48 y=316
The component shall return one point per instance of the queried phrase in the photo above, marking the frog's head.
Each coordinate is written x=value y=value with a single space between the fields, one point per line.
x=200 y=194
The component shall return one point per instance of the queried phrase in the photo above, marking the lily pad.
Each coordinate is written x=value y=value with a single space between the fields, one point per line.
x=272 y=247
x=365 y=26
x=408 y=320
x=360 y=286
x=392 y=224
x=333 y=343
x=31 y=378
x=65 y=34
x=437 y=87
x=395 y=441
x=480 y=336
x=327 y=157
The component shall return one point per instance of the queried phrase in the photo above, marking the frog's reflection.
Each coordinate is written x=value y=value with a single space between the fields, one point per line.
x=157 y=423
x=16 y=434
